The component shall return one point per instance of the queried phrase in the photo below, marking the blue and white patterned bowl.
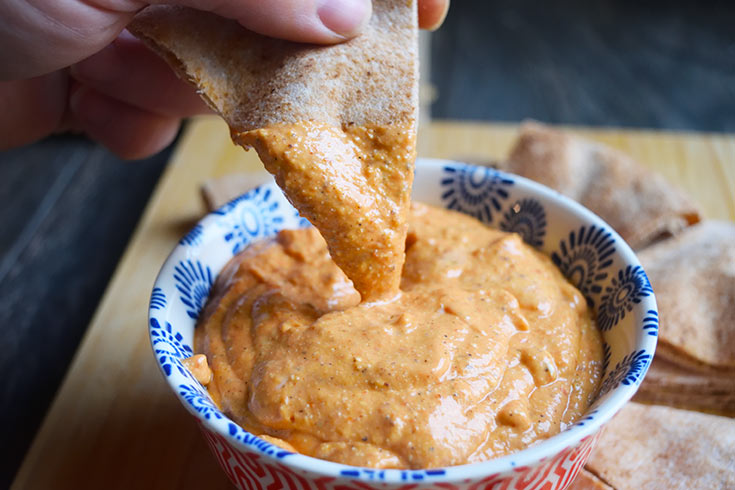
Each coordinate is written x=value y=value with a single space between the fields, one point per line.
x=586 y=249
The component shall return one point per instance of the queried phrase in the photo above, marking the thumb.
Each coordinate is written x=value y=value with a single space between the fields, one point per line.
x=312 y=21
x=45 y=35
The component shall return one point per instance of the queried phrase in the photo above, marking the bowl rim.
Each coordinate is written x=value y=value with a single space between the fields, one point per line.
x=570 y=437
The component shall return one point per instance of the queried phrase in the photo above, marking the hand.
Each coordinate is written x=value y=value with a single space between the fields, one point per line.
x=69 y=65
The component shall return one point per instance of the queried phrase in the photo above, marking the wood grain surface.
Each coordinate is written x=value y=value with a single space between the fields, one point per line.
x=68 y=209
x=115 y=424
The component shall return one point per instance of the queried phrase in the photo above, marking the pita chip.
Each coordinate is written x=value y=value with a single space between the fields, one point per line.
x=639 y=204
x=255 y=81
x=329 y=100
x=693 y=277
x=655 y=447
x=679 y=386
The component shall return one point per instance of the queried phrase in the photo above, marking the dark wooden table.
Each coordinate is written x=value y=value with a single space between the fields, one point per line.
x=68 y=207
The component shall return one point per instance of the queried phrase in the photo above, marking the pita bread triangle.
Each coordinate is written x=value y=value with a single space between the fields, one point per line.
x=254 y=81
x=679 y=386
x=260 y=85
x=693 y=276
x=655 y=447
x=639 y=204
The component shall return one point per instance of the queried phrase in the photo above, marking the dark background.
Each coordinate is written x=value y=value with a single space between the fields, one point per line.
x=68 y=207
x=624 y=63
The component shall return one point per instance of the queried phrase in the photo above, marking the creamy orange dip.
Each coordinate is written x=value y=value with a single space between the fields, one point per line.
x=486 y=349
x=354 y=184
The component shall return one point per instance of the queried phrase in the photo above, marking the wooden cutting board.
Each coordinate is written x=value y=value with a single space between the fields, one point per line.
x=114 y=422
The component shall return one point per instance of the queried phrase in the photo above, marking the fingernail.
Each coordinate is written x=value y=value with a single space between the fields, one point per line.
x=433 y=23
x=344 y=17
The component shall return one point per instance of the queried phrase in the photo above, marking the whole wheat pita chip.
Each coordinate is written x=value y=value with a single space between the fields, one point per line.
x=693 y=277
x=255 y=81
x=678 y=386
x=639 y=204
x=267 y=89
x=653 y=447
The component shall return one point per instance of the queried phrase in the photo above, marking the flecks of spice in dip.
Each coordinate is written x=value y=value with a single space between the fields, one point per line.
x=485 y=350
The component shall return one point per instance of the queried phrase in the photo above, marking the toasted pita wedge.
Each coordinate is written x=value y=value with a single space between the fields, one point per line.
x=654 y=447
x=255 y=81
x=677 y=386
x=587 y=481
x=693 y=276
x=348 y=97
x=641 y=205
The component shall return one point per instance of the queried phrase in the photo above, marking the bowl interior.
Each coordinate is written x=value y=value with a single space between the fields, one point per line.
x=587 y=251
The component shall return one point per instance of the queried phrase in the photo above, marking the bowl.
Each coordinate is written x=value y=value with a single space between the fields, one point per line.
x=587 y=250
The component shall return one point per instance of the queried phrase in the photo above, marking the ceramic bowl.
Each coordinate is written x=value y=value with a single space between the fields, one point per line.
x=587 y=251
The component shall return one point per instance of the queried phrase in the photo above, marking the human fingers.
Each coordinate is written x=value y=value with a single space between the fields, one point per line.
x=126 y=130
x=35 y=108
x=311 y=21
x=128 y=71
x=42 y=36
x=31 y=109
x=432 y=13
